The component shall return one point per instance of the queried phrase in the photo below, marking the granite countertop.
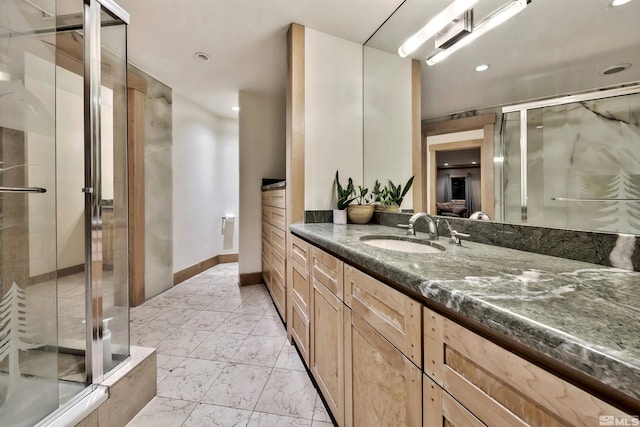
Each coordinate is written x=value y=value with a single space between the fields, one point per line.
x=586 y=316
x=272 y=184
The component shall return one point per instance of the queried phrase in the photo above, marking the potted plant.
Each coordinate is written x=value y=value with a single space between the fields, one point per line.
x=396 y=194
x=389 y=198
x=361 y=212
x=344 y=198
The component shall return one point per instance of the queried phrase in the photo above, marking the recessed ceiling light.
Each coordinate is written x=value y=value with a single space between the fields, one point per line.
x=539 y=127
x=473 y=163
x=613 y=69
x=235 y=108
x=615 y=3
x=482 y=67
x=446 y=164
x=202 y=57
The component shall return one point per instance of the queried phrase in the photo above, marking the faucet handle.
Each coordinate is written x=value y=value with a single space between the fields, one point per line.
x=455 y=237
x=403 y=225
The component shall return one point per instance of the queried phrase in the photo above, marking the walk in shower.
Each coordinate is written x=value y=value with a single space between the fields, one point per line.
x=64 y=316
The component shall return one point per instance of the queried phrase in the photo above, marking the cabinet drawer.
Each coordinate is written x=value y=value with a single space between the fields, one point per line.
x=266 y=231
x=277 y=239
x=396 y=316
x=384 y=388
x=278 y=267
x=274 y=216
x=300 y=287
x=274 y=198
x=441 y=410
x=328 y=270
x=300 y=251
x=499 y=387
x=266 y=264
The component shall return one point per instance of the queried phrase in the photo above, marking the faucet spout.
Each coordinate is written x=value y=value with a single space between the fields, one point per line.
x=433 y=226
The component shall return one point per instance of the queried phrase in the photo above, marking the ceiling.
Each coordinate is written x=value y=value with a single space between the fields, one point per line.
x=246 y=40
x=550 y=49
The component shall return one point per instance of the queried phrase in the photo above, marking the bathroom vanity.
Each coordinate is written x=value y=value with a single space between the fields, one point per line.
x=469 y=336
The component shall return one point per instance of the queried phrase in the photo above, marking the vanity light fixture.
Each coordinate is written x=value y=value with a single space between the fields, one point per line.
x=435 y=25
x=616 y=3
x=482 y=67
x=235 y=108
x=498 y=17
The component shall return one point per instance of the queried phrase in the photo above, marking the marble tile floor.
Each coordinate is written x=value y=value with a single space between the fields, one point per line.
x=223 y=358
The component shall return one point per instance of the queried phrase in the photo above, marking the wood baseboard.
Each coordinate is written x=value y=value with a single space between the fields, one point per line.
x=198 y=268
x=67 y=271
x=251 y=279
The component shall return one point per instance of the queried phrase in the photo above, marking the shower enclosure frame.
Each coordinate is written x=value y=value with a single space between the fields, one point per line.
x=93 y=181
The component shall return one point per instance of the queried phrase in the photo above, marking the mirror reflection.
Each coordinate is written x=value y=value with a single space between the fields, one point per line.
x=545 y=158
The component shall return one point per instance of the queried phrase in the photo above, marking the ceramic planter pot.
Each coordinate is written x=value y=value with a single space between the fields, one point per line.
x=339 y=216
x=360 y=214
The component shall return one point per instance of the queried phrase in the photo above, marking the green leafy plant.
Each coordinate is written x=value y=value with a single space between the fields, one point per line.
x=361 y=195
x=381 y=194
x=396 y=194
x=344 y=194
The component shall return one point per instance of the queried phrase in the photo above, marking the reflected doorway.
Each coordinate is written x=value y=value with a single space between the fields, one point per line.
x=459 y=143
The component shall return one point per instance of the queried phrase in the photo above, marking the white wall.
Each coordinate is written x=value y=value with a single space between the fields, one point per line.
x=205 y=184
x=333 y=116
x=387 y=120
x=262 y=155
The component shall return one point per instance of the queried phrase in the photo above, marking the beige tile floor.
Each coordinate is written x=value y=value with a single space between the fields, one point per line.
x=223 y=358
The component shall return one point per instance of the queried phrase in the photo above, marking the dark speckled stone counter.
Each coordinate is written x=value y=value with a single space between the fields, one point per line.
x=583 y=315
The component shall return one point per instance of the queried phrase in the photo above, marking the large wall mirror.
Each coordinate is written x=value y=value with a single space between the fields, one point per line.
x=555 y=112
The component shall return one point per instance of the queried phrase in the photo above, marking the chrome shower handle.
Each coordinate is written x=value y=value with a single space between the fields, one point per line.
x=22 y=190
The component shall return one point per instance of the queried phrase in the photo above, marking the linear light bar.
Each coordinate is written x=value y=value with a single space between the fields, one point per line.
x=497 y=18
x=434 y=26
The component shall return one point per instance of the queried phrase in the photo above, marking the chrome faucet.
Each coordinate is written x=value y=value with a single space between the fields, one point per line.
x=433 y=226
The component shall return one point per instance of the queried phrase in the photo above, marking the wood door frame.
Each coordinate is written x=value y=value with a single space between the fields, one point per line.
x=485 y=122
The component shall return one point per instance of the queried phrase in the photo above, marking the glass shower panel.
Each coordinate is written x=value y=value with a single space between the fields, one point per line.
x=114 y=193
x=587 y=154
x=28 y=265
x=511 y=170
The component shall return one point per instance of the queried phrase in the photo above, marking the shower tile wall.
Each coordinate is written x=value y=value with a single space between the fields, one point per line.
x=158 y=154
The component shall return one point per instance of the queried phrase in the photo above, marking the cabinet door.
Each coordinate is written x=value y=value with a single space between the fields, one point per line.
x=327 y=347
x=278 y=294
x=500 y=388
x=328 y=270
x=299 y=298
x=441 y=410
x=396 y=316
x=383 y=387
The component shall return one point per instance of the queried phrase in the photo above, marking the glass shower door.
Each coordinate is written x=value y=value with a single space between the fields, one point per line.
x=28 y=265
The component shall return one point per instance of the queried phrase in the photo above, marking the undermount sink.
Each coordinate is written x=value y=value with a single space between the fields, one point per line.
x=403 y=244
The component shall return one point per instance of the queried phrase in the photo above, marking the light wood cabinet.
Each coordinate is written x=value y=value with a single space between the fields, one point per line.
x=500 y=388
x=274 y=244
x=328 y=270
x=327 y=347
x=299 y=302
x=442 y=410
x=383 y=387
x=396 y=316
